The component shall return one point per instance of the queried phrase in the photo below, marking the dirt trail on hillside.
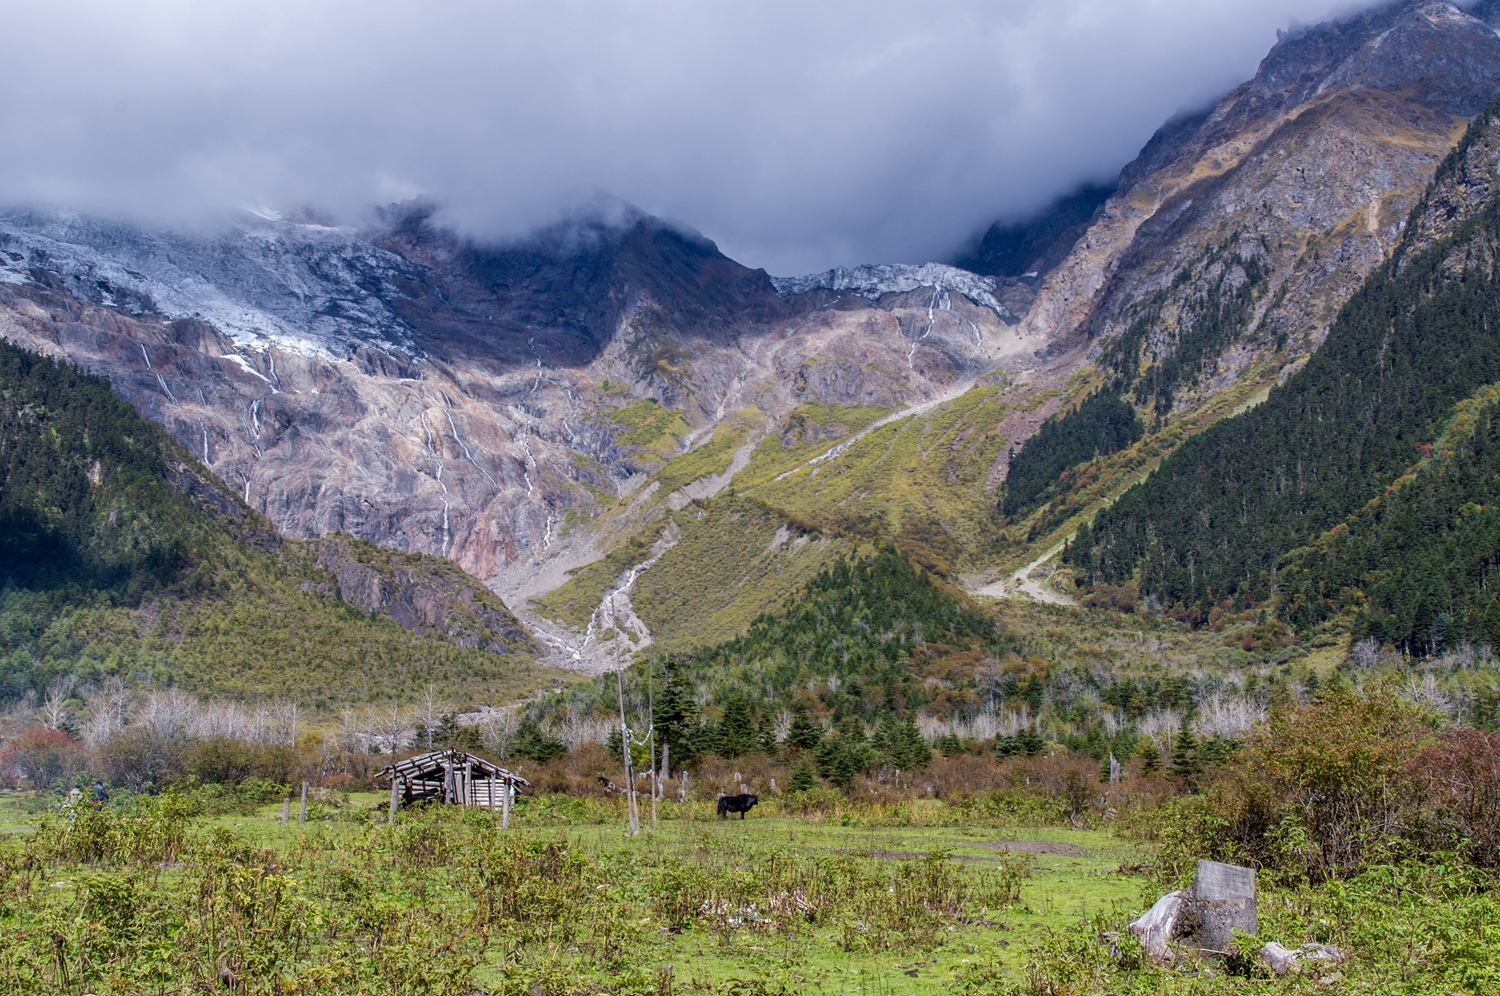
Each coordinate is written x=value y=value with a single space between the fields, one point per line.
x=1022 y=582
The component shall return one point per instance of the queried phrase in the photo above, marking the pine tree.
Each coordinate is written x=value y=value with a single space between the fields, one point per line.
x=736 y=730
x=1149 y=756
x=804 y=775
x=1187 y=766
x=805 y=732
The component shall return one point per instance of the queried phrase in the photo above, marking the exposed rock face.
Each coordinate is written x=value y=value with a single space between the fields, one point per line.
x=418 y=594
x=410 y=388
x=1295 y=184
x=415 y=390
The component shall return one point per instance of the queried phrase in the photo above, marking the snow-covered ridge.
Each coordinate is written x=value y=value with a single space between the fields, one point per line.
x=266 y=281
x=875 y=279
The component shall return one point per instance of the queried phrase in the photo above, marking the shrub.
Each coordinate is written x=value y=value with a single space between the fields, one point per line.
x=41 y=756
x=140 y=759
x=1459 y=779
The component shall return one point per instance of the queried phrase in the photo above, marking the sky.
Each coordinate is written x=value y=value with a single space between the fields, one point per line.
x=798 y=134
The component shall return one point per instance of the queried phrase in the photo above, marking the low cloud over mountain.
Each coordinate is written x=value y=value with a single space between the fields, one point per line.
x=800 y=136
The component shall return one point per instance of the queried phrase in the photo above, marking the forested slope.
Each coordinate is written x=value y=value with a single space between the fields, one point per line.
x=121 y=556
x=1219 y=518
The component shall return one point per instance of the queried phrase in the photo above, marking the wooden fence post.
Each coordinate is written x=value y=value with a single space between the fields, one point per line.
x=505 y=805
x=302 y=813
x=286 y=811
x=392 y=818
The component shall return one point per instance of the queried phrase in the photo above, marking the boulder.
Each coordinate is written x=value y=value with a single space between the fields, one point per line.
x=1282 y=960
x=1278 y=959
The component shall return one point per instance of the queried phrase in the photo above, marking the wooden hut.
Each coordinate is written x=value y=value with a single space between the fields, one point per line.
x=455 y=777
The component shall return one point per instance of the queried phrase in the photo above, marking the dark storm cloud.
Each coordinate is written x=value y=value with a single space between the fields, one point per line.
x=798 y=134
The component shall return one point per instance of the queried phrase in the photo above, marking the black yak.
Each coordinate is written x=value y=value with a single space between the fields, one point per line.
x=736 y=804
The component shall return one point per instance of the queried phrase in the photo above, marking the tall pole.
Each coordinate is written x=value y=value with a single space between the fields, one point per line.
x=633 y=821
x=651 y=711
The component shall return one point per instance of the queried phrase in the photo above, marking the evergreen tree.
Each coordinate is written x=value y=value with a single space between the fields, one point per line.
x=806 y=733
x=804 y=775
x=765 y=735
x=901 y=743
x=677 y=719
x=1150 y=755
x=1187 y=766
x=844 y=755
x=533 y=742
x=1031 y=743
x=736 y=730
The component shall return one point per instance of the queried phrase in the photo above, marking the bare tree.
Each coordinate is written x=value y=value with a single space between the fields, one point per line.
x=283 y=726
x=390 y=727
x=497 y=727
x=1225 y=714
x=1365 y=653
x=169 y=714
x=430 y=709
x=989 y=677
x=56 y=707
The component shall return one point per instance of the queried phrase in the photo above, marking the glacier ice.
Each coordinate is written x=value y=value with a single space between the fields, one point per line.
x=264 y=282
x=873 y=280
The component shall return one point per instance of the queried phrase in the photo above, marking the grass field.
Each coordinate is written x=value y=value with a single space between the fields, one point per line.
x=150 y=898
x=698 y=904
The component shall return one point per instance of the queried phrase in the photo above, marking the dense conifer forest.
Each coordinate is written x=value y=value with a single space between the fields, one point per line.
x=1101 y=425
x=1216 y=522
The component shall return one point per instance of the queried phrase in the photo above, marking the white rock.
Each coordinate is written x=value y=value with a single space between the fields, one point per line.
x=1154 y=928
x=1278 y=958
x=1282 y=960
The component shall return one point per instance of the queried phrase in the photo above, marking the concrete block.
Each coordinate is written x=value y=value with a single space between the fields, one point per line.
x=1222 y=899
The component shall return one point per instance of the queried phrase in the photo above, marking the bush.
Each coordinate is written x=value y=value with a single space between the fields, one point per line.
x=140 y=759
x=1459 y=779
x=41 y=756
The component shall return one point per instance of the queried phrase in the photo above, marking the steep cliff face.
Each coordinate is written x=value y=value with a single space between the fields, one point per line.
x=412 y=389
x=1239 y=232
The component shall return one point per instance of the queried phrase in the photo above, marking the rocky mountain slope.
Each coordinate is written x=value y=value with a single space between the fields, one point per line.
x=122 y=557
x=1362 y=486
x=553 y=415
x=1239 y=232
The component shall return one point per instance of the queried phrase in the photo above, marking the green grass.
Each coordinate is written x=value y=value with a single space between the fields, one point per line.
x=624 y=907
x=713 y=457
x=648 y=424
x=809 y=430
x=155 y=899
x=734 y=560
x=924 y=472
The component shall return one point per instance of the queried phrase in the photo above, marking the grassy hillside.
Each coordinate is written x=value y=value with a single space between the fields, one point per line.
x=121 y=556
x=735 y=560
x=923 y=480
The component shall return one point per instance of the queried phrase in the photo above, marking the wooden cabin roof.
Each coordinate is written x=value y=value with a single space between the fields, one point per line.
x=429 y=766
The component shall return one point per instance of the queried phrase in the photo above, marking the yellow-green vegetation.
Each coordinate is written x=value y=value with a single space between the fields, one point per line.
x=648 y=425
x=158 y=897
x=735 y=559
x=573 y=603
x=713 y=457
x=809 y=430
x=924 y=475
x=154 y=896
